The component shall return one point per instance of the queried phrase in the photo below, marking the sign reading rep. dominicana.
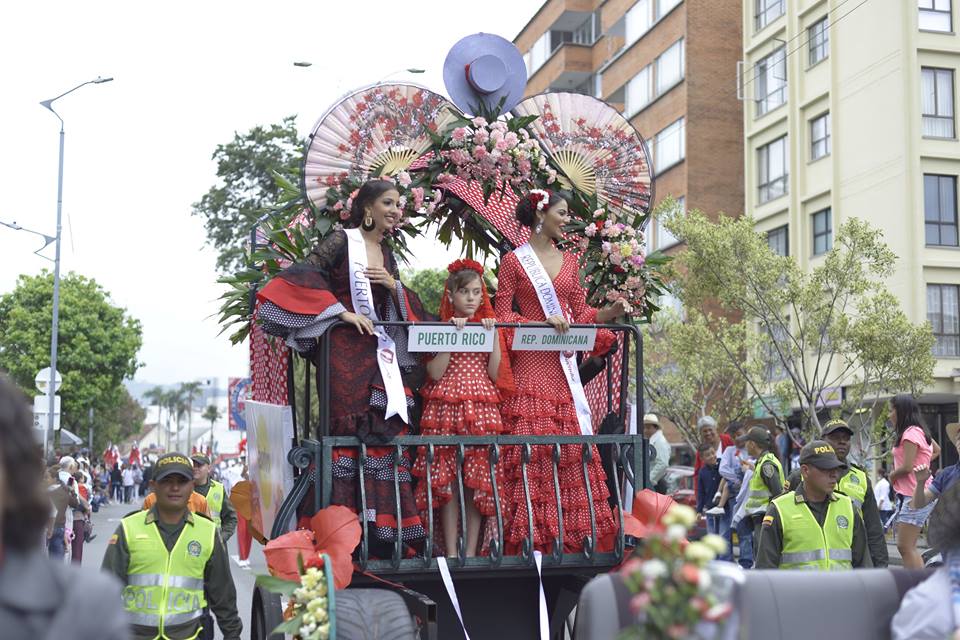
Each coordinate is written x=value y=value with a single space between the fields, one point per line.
x=448 y=338
x=547 y=339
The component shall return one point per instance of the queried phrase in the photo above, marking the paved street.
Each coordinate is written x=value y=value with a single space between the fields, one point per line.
x=107 y=520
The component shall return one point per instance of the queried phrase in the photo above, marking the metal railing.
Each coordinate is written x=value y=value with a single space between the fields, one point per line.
x=627 y=458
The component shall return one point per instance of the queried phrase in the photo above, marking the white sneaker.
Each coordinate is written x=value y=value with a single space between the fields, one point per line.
x=715 y=511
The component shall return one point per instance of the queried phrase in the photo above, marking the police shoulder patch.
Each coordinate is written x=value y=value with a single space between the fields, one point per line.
x=767 y=521
x=768 y=470
x=842 y=522
x=194 y=548
x=113 y=539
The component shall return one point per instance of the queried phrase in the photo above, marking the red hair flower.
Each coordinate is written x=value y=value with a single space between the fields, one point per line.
x=462 y=264
x=539 y=198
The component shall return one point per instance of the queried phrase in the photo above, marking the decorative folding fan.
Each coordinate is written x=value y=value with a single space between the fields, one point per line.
x=597 y=150
x=378 y=130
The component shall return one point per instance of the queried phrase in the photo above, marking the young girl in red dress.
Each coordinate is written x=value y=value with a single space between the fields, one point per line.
x=461 y=397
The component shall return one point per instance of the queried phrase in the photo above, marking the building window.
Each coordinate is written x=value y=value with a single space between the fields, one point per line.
x=935 y=15
x=940 y=210
x=943 y=313
x=820 y=136
x=774 y=169
x=666 y=239
x=779 y=240
x=669 y=147
x=936 y=102
x=768 y=11
x=822 y=232
x=773 y=367
x=771 y=77
x=669 y=67
x=818 y=39
x=639 y=19
x=639 y=91
x=586 y=33
x=664 y=7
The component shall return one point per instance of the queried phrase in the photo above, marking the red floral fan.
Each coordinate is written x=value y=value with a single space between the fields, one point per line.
x=596 y=149
x=379 y=130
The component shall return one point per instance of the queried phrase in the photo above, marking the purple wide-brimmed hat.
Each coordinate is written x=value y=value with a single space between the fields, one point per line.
x=482 y=69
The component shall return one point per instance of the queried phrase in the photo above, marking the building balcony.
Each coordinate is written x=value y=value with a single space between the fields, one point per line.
x=569 y=67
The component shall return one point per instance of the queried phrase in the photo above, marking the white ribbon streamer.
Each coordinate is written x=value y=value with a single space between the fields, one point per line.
x=452 y=593
x=362 y=297
x=544 y=618
x=550 y=303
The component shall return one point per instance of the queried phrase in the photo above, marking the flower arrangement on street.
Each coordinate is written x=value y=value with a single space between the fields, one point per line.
x=613 y=260
x=495 y=152
x=673 y=595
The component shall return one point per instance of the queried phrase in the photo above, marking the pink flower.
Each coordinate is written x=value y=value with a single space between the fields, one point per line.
x=338 y=206
x=481 y=136
x=353 y=194
x=598 y=213
x=616 y=258
x=677 y=631
x=639 y=603
x=479 y=122
x=479 y=152
x=404 y=179
x=612 y=296
x=606 y=247
x=590 y=231
x=417 y=193
x=460 y=134
x=638 y=259
x=496 y=136
x=511 y=139
x=501 y=145
x=345 y=214
x=551 y=175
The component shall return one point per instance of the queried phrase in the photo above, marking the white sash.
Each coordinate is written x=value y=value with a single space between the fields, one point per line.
x=550 y=304
x=362 y=298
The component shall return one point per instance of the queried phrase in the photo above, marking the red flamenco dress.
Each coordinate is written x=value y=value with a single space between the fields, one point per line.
x=544 y=406
x=299 y=305
x=463 y=402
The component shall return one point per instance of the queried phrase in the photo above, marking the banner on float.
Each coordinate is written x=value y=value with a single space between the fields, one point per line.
x=238 y=392
x=429 y=339
x=269 y=437
x=548 y=339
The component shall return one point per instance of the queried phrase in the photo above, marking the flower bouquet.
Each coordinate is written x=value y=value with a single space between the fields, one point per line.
x=309 y=614
x=674 y=595
x=496 y=153
x=614 y=264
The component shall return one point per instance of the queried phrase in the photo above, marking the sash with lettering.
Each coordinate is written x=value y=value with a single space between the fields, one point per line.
x=550 y=304
x=362 y=298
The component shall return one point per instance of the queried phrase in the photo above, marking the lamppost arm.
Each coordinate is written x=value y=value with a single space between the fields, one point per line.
x=48 y=104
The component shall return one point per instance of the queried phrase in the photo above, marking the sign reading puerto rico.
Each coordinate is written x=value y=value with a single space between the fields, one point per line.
x=438 y=339
x=547 y=339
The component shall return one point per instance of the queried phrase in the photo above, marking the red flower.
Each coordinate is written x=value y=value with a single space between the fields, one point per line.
x=463 y=264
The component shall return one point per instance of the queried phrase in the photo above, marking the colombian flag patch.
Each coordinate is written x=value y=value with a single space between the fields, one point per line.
x=767 y=521
x=113 y=539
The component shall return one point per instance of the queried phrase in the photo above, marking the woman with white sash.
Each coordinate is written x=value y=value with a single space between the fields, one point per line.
x=540 y=283
x=352 y=276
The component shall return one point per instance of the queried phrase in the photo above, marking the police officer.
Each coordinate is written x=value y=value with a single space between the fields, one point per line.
x=173 y=563
x=767 y=481
x=856 y=485
x=221 y=510
x=813 y=527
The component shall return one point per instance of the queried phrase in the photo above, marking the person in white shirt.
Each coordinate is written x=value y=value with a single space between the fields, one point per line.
x=128 y=480
x=881 y=491
x=658 y=466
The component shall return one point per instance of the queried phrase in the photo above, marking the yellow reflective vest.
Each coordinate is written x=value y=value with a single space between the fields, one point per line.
x=807 y=545
x=215 y=500
x=166 y=588
x=854 y=485
x=758 y=497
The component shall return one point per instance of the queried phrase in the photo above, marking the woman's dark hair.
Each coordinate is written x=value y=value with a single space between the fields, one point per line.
x=527 y=209
x=24 y=502
x=908 y=415
x=370 y=191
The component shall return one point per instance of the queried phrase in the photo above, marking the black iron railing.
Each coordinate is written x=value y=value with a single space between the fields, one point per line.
x=626 y=456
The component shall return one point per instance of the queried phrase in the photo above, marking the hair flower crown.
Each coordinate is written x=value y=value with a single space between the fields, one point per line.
x=464 y=264
x=539 y=198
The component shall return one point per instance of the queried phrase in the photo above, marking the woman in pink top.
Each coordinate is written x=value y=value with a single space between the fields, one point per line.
x=914 y=447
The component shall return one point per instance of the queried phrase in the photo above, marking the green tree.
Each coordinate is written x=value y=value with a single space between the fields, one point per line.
x=98 y=343
x=246 y=186
x=428 y=283
x=830 y=327
x=190 y=390
x=119 y=422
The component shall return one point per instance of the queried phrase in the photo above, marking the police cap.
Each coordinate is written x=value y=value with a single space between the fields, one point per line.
x=173 y=463
x=820 y=454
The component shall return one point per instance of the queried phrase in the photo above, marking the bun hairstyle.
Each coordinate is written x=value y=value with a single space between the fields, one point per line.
x=370 y=191
x=526 y=211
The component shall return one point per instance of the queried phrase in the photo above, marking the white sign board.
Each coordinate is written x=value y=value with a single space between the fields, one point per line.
x=439 y=339
x=43 y=381
x=269 y=437
x=549 y=339
x=41 y=409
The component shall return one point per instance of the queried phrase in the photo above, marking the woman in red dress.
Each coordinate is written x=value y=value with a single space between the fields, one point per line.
x=543 y=403
x=303 y=301
x=462 y=398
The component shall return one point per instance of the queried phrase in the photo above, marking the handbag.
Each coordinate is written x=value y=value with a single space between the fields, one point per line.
x=88 y=530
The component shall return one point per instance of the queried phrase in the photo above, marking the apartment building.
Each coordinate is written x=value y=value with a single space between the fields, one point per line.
x=670 y=67
x=849 y=111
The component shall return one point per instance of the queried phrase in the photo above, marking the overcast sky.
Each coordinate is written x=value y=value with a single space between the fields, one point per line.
x=187 y=76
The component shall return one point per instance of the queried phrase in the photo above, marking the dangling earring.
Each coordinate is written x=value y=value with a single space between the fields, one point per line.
x=368 y=224
x=538 y=228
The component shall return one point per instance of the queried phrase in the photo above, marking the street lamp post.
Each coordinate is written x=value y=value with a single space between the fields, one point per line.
x=48 y=104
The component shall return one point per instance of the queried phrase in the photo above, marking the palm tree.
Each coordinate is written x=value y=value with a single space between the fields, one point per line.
x=190 y=391
x=212 y=414
x=158 y=397
x=174 y=408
